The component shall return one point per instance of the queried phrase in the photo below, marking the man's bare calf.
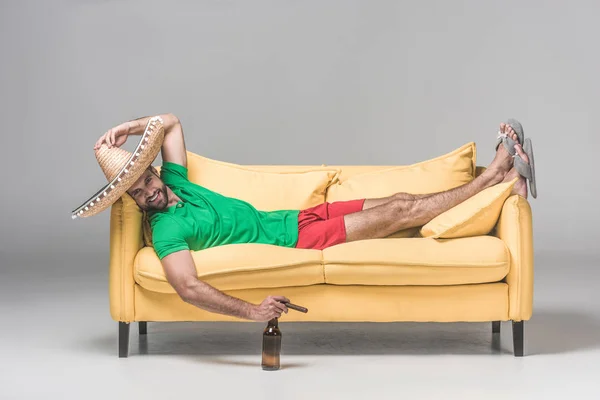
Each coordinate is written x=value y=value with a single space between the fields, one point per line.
x=385 y=216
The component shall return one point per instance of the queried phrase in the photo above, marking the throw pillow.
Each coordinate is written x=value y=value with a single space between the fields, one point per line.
x=475 y=216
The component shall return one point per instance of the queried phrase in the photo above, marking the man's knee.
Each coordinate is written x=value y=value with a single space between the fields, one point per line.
x=404 y=206
x=398 y=204
x=404 y=196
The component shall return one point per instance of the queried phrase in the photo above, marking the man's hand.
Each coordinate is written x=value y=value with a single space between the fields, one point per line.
x=116 y=136
x=270 y=308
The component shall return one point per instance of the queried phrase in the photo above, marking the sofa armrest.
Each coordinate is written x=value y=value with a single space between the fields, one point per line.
x=125 y=242
x=515 y=229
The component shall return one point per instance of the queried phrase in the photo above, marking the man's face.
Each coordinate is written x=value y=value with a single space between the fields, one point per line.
x=149 y=191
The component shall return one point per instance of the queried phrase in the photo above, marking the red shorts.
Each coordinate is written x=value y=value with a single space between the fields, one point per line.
x=323 y=225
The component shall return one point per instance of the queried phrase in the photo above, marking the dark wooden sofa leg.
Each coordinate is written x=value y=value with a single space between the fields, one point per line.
x=518 y=338
x=143 y=327
x=123 y=339
x=495 y=326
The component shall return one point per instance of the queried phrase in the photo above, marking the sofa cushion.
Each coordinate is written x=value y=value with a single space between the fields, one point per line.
x=417 y=261
x=238 y=266
x=285 y=188
x=475 y=216
x=438 y=174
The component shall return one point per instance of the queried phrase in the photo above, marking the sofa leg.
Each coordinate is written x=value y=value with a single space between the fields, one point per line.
x=143 y=327
x=123 y=339
x=518 y=338
x=495 y=326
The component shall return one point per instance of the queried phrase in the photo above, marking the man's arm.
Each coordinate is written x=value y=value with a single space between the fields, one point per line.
x=173 y=148
x=182 y=275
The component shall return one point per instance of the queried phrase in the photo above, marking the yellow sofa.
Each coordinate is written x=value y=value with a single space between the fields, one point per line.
x=400 y=278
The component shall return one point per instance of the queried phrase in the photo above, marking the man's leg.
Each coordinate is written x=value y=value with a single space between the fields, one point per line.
x=383 y=217
x=370 y=203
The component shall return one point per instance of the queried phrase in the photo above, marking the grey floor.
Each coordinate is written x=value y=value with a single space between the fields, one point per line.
x=58 y=341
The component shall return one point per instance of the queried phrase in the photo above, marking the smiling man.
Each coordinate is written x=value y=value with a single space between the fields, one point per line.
x=186 y=217
x=151 y=193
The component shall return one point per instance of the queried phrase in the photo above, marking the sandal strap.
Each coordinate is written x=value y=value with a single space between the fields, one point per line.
x=522 y=167
x=508 y=143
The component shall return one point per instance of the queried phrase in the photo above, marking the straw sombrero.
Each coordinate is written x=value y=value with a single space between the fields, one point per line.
x=123 y=168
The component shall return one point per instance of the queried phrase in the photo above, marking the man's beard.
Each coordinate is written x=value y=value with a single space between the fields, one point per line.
x=161 y=202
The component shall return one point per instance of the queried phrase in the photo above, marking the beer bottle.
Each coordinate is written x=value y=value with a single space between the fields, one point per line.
x=271 y=347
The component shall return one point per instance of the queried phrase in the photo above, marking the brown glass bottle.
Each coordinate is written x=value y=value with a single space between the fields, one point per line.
x=271 y=348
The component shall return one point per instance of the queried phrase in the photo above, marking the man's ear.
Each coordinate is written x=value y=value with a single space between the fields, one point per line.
x=154 y=171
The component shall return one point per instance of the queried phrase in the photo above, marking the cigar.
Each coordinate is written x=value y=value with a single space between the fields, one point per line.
x=295 y=307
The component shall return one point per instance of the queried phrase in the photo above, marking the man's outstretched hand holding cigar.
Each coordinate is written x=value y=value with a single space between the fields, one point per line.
x=273 y=307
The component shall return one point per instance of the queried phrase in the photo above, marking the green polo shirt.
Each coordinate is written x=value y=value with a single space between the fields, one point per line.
x=205 y=219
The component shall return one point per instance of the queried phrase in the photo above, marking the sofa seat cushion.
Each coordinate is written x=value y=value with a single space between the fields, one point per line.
x=238 y=266
x=417 y=261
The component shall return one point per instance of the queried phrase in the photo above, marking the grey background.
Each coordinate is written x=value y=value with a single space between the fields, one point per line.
x=294 y=82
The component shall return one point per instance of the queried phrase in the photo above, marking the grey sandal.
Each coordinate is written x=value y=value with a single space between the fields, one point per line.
x=527 y=170
x=509 y=144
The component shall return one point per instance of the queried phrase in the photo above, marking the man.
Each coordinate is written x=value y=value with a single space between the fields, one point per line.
x=185 y=216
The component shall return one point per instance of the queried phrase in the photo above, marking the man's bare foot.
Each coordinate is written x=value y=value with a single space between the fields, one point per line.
x=503 y=162
x=520 y=187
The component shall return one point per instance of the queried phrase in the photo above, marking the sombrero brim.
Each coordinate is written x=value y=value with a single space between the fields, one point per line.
x=145 y=152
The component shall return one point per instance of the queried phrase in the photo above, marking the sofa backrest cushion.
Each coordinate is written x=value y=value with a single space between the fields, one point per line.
x=435 y=175
x=284 y=188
